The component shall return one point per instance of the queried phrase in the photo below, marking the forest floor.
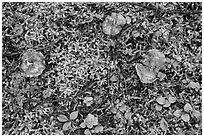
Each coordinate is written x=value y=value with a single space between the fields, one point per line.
x=89 y=84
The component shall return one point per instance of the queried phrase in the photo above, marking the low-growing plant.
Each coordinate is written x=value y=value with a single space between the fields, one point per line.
x=186 y=112
x=164 y=102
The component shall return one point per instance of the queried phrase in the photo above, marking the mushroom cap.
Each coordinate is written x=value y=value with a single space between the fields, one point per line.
x=33 y=63
x=112 y=24
x=154 y=59
x=150 y=66
x=145 y=75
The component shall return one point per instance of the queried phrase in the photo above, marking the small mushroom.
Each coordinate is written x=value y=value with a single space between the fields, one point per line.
x=155 y=60
x=113 y=24
x=33 y=63
x=149 y=68
x=145 y=75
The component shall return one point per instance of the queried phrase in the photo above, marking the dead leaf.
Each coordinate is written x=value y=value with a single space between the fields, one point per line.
x=177 y=113
x=185 y=117
x=172 y=99
x=62 y=118
x=88 y=101
x=164 y=124
x=188 y=107
x=196 y=113
x=73 y=115
x=87 y=132
x=161 y=100
x=66 y=126
x=144 y=74
x=158 y=107
x=166 y=104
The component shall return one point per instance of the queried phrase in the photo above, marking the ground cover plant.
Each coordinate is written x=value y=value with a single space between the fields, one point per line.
x=101 y=68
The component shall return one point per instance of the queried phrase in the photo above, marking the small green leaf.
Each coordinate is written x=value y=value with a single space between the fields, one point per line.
x=194 y=85
x=188 y=107
x=73 y=115
x=164 y=124
x=87 y=132
x=185 y=117
x=123 y=108
x=128 y=115
x=91 y=121
x=66 y=126
x=88 y=101
x=62 y=118
x=167 y=104
x=82 y=125
x=99 y=129
x=172 y=99
x=177 y=113
x=158 y=107
x=114 y=110
x=196 y=113
x=161 y=100
x=114 y=78
x=161 y=76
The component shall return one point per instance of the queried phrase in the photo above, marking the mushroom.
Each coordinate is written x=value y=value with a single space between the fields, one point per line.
x=113 y=24
x=149 y=68
x=33 y=63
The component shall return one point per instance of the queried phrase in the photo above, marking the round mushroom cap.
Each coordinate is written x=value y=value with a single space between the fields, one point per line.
x=33 y=63
x=145 y=75
x=113 y=24
x=148 y=69
x=155 y=59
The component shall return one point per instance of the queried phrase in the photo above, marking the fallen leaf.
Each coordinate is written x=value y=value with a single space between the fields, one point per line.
x=172 y=99
x=196 y=113
x=188 y=107
x=177 y=113
x=161 y=76
x=166 y=104
x=98 y=129
x=128 y=19
x=91 y=121
x=62 y=118
x=88 y=101
x=82 y=125
x=87 y=132
x=164 y=124
x=123 y=108
x=185 y=117
x=144 y=74
x=114 y=78
x=158 y=107
x=194 y=85
x=114 y=110
x=73 y=115
x=128 y=115
x=161 y=100
x=66 y=126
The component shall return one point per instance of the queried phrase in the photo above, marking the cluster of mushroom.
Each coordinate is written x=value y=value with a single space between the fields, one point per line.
x=33 y=63
x=148 y=69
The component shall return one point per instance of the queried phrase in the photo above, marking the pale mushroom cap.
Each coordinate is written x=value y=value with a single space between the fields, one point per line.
x=145 y=75
x=32 y=63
